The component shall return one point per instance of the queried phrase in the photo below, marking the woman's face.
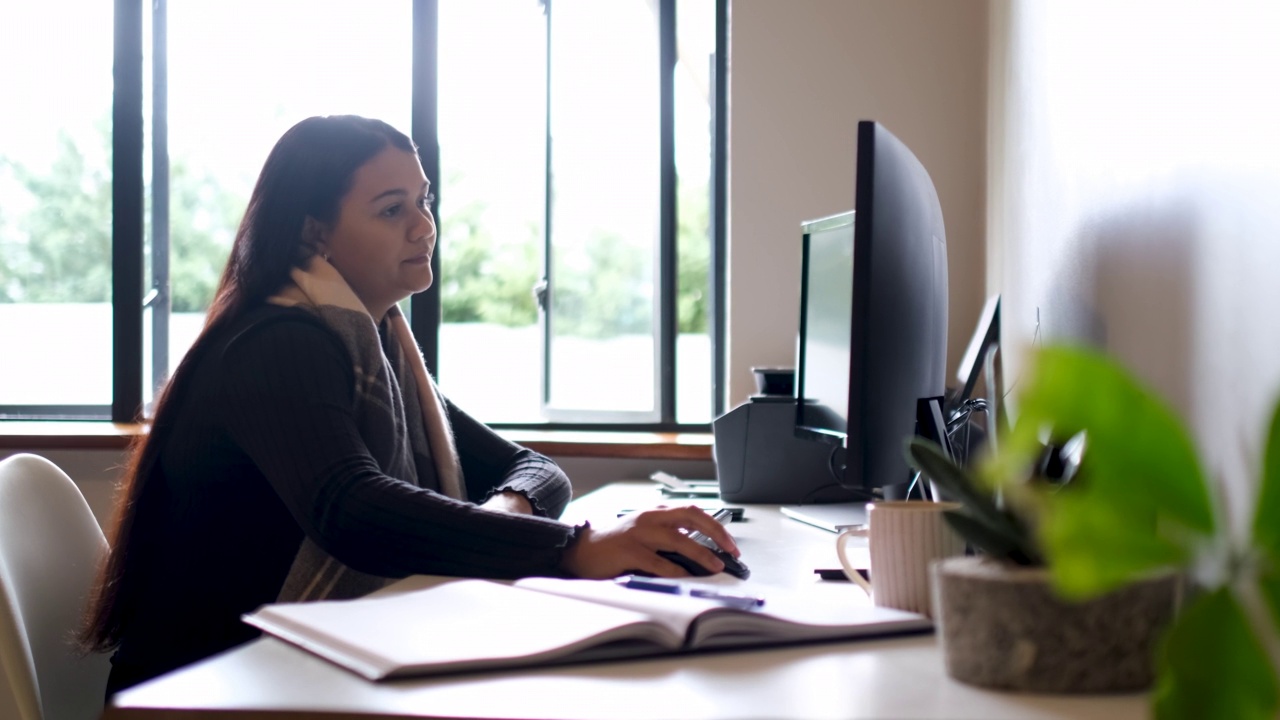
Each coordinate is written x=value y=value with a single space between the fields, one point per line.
x=385 y=234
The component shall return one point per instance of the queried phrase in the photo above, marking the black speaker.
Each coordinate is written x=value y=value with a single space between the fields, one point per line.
x=760 y=460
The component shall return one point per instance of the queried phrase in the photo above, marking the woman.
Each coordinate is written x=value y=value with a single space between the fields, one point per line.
x=302 y=452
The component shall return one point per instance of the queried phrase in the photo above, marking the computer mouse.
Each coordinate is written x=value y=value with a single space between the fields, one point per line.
x=732 y=565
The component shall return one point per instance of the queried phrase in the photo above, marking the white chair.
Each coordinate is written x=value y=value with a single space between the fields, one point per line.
x=50 y=547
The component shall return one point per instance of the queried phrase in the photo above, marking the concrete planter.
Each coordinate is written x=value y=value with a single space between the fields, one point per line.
x=1001 y=626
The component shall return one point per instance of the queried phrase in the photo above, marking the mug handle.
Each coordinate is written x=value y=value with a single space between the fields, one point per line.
x=849 y=570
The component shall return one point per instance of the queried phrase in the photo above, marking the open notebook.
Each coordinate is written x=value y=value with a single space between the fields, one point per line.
x=465 y=625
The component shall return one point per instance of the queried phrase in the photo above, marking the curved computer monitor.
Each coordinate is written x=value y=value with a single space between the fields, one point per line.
x=873 y=316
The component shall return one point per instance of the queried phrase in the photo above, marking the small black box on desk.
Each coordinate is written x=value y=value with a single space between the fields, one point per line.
x=759 y=459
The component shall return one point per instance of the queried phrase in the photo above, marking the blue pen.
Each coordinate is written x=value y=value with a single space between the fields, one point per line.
x=632 y=582
x=741 y=602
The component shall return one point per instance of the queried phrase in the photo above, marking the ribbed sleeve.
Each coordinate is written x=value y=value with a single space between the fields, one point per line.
x=485 y=455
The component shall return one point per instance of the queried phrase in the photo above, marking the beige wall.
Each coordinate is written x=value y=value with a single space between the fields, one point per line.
x=801 y=74
x=1135 y=200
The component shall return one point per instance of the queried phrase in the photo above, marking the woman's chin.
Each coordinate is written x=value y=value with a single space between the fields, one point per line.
x=420 y=280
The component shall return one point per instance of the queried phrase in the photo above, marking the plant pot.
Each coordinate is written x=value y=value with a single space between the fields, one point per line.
x=1002 y=626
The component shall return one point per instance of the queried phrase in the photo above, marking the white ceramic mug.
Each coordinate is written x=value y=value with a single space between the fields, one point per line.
x=904 y=537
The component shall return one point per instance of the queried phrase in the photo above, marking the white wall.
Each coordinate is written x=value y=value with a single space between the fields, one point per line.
x=801 y=74
x=1135 y=200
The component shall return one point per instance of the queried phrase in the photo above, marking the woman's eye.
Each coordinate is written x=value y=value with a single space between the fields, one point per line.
x=425 y=202
x=391 y=211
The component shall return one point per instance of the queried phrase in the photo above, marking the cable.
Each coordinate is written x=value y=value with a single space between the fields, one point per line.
x=860 y=494
x=1037 y=343
x=910 y=488
x=837 y=477
x=831 y=464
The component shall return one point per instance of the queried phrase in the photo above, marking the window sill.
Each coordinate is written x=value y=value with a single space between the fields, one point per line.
x=38 y=435
x=640 y=445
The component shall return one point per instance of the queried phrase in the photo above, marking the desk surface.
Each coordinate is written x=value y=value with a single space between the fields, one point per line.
x=900 y=678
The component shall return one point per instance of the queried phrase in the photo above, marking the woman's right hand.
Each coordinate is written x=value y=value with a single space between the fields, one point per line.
x=633 y=544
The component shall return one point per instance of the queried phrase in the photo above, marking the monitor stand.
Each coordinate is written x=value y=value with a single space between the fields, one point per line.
x=836 y=517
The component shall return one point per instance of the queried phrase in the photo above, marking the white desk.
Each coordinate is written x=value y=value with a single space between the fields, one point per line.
x=887 y=678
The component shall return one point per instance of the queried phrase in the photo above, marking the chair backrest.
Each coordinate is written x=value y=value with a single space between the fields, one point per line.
x=50 y=547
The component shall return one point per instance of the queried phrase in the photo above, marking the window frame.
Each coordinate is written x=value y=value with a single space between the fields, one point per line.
x=665 y=314
x=132 y=292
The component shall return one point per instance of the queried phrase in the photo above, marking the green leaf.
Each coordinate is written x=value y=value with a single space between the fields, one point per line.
x=1269 y=584
x=927 y=457
x=1210 y=666
x=991 y=541
x=1266 y=521
x=1134 y=439
x=1140 y=502
x=1095 y=547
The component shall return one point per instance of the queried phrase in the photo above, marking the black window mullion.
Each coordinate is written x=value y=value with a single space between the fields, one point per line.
x=719 y=183
x=425 y=307
x=159 y=298
x=545 y=288
x=127 y=213
x=668 y=289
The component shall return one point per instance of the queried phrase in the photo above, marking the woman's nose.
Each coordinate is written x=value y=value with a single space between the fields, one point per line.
x=425 y=228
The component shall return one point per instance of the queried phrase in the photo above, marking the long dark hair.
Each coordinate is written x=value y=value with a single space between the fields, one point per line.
x=306 y=175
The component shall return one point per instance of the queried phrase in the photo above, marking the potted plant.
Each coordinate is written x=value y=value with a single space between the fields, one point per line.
x=1073 y=556
x=1005 y=625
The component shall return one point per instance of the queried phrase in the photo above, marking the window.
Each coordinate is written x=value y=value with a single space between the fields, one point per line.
x=55 y=209
x=695 y=98
x=560 y=162
x=218 y=114
x=569 y=144
x=605 y=179
x=492 y=119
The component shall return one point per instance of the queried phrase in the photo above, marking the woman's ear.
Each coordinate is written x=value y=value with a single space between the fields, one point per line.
x=315 y=237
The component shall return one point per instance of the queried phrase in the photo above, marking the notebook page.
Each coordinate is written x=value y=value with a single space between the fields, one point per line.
x=797 y=617
x=459 y=625
x=675 y=612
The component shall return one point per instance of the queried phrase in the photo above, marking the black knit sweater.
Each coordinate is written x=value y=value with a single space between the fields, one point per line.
x=262 y=450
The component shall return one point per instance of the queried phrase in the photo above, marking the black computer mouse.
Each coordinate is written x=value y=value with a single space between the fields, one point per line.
x=732 y=565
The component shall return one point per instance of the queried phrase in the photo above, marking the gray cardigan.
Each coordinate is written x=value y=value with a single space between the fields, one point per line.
x=262 y=451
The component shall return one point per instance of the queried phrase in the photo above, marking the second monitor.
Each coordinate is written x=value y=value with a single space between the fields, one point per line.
x=873 y=323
